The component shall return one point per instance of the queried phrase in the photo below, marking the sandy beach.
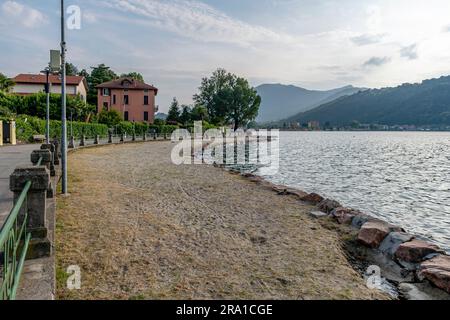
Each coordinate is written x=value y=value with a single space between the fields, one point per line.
x=140 y=227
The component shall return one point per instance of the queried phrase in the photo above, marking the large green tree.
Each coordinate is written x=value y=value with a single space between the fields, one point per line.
x=71 y=69
x=228 y=99
x=99 y=74
x=133 y=75
x=174 y=112
x=185 y=117
x=6 y=84
x=110 y=118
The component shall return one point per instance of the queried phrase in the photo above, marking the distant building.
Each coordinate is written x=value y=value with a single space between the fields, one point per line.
x=133 y=99
x=26 y=84
x=314 y=125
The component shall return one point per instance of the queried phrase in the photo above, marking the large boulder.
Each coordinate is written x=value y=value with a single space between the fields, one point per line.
x=312 y=198
x=415 y=251
x=372 y=233
x=437 y=271
x=360 y=219
x=328 y=205
x=391 y=243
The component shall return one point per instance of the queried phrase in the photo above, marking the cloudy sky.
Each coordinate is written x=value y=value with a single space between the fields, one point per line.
x=317 y=44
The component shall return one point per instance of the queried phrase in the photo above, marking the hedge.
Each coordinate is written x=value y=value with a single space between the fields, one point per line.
x=27 y=127
x=138 y=127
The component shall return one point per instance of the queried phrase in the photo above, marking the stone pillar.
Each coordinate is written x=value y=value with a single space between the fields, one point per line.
x=46 y=156
x=71 y=143
x=165 y=136
x=155 y=136
x=82 y=140
x=50 y=147
x=122 y=137
x=133 y=138
x=96 y=139
x=109 y=137
x=144 y=136
x=35 y=205
x=57 y=152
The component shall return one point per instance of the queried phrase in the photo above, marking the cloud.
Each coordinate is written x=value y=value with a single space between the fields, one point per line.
x=409 y=52
x=376 y=61
x=197 y=20
x=366 y=39
x=17 y=13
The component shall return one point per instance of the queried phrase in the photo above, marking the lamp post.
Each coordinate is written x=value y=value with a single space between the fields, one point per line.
x=46 y=71
x=63 y=106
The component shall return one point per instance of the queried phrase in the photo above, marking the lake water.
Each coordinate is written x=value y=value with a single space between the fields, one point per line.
x=401 y=177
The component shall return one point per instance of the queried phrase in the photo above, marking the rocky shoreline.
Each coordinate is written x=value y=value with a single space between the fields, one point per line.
x=418 y=269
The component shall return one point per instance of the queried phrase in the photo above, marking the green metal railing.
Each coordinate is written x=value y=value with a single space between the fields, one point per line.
x=14 y=241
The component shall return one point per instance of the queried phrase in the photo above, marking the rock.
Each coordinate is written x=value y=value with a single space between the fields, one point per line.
x=415 y=251
x=298 y=193
x=360 y=219
x=391 y=243
x=313 y=198
x=328 y=205
x=372 y=233
x=421 y=292
x=437 y=271
x=318 y=214
x=344 y=215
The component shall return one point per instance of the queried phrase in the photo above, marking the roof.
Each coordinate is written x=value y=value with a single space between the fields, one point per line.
x=42 y=79
x=127 y=83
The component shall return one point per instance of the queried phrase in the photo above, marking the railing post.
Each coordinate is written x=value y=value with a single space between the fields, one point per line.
x=50 y=147
x=57 y=152
x=133 y=138
x=122 y=137
x=82 y=140
x=96 y=139
x=144 y=136
x=154 y=136
x=34 y=208
x=109 y=137
x=46 y=157
x=71 y=143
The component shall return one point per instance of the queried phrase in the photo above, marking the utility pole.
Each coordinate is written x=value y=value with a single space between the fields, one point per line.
x=46 y=71
x=63 y=104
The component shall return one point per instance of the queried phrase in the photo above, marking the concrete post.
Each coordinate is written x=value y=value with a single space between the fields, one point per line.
x=57 y=152
x=155 y=136
x=144 y=136
x=133 y=138
x=96 y=139
x=35 y=206
x=82 y=140
x=122 y=137
x=46 y=156
x=109 y=137
x=50 y=147
x=165 y=136
x=71 y=143
x=12 y=132
x=1 y=132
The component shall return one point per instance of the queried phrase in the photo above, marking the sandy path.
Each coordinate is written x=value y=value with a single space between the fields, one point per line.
x=141 y=227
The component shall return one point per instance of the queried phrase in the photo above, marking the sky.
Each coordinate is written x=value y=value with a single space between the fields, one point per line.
x=316 y=44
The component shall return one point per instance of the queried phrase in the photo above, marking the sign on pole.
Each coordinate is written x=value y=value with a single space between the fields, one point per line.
x=55 y=60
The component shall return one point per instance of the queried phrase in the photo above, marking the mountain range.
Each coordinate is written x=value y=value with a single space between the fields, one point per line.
x=284 y=101
x=425 y=103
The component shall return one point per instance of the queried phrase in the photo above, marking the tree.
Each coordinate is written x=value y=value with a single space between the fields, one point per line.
x=228 y=99
x=174 y=112
x=199 y=113
x=185 y=117
x=110 y=118
x=71 y=69
x=99 y=74
x=134 y=75
x=6 y=84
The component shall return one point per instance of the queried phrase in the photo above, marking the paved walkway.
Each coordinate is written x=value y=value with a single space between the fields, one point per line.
x=10 y=158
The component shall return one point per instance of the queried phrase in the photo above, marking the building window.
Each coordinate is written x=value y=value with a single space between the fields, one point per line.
x=114 y=99
x=105 y=106
x=146 y=100
x=105 y=92
x=125 y=116
x=126 y=100
x=145 y=116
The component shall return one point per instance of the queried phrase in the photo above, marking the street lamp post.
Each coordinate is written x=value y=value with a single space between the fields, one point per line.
x=46 y=71
x=63 y=106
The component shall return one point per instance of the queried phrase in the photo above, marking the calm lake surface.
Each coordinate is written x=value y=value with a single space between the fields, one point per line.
x=401 y=177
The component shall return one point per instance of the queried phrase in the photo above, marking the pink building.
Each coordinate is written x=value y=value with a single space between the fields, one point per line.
x=133 y=99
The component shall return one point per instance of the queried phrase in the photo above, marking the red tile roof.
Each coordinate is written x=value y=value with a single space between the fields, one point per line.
x=41 y=79
x=127 y=83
